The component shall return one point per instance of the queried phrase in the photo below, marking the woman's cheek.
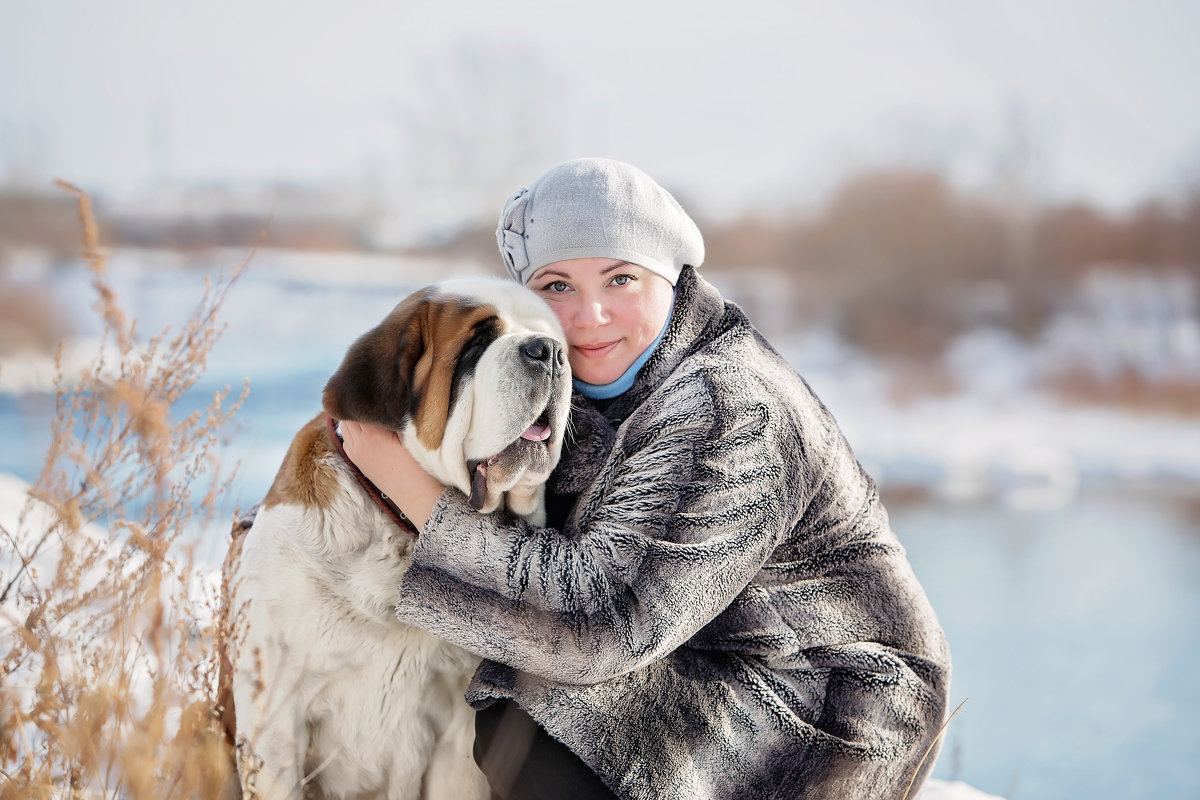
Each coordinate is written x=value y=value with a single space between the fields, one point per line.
x=561 y=310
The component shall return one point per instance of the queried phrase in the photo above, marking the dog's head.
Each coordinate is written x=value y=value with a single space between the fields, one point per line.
x=473 y=374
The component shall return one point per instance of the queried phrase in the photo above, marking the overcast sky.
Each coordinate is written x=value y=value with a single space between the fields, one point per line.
x=736 y=105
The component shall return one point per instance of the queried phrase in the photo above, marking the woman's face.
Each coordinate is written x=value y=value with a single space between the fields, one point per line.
x=611 y=311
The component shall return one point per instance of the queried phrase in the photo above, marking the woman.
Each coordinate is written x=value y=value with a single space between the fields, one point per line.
x=718 y=608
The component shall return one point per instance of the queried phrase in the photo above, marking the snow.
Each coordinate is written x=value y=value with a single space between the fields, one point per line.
x=999 y=437
x=26 y=519
x=953 y=790
x=1121 y=321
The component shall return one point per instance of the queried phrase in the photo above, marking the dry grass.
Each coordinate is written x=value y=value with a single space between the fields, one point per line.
x=108 y=672
x=924 y=756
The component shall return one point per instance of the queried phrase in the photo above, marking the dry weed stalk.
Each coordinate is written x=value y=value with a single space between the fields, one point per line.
x=925 y=756
x=109 y=672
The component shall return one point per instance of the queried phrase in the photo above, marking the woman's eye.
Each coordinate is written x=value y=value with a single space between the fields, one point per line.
x=558 y=286
x=621 y=280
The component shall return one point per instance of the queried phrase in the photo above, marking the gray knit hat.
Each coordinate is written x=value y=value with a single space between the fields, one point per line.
x=597 y=207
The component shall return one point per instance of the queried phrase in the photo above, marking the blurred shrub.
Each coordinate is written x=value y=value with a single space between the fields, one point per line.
x=905 y=262
x=38 y=219
x=1075 y=237
x=30 y=321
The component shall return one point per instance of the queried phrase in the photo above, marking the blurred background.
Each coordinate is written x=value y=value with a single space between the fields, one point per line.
x=974 y=229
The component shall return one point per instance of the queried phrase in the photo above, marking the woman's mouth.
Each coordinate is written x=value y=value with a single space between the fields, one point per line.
x=598 y=350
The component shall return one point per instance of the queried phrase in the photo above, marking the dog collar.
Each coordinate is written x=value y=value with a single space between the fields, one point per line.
x=382 y=500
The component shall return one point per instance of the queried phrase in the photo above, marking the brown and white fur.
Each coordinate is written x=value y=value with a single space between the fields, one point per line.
x=334 y=696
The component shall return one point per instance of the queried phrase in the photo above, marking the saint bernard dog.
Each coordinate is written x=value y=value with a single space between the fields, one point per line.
x=332 y=695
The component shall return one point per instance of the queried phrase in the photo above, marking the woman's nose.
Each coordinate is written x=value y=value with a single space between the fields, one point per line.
x=591 y=314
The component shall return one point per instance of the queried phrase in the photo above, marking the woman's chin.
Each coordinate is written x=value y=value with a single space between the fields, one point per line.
x=594 y=380
x=597 y=377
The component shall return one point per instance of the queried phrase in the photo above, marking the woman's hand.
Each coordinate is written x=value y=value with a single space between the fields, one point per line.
x=380 y=455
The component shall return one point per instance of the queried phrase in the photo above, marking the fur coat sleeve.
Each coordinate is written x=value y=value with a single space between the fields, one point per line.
x=725 y=611
x=674 y=533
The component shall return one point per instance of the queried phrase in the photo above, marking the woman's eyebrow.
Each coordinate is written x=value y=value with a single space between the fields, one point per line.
x=546 y=273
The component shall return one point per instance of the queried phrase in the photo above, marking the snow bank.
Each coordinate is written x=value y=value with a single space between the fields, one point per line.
x=26 y=520
x=998 y=439
x=1127 y=321
x=953 y=790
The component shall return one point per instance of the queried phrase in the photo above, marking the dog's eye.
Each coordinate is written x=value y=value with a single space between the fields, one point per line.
x=471 y=353
x=473 y=349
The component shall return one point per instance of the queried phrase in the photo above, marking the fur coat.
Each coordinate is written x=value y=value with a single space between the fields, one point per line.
x=724 y=612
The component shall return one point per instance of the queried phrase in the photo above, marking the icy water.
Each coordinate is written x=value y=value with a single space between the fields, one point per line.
x=1074 y=625
x=1075 y=641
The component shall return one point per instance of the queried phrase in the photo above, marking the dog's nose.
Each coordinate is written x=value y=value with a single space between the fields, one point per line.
x=542 y=352
x=536 y=350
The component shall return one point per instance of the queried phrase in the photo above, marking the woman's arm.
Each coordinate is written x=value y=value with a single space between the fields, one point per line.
x=658 y=546
x=381 y=456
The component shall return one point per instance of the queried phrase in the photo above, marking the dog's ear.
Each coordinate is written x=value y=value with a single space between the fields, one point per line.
x=373 y=383
x=404 y=368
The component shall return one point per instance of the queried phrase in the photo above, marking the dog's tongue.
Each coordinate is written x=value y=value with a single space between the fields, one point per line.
x=537 y=432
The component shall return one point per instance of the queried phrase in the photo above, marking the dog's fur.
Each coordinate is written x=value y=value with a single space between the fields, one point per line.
x=334 y=696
